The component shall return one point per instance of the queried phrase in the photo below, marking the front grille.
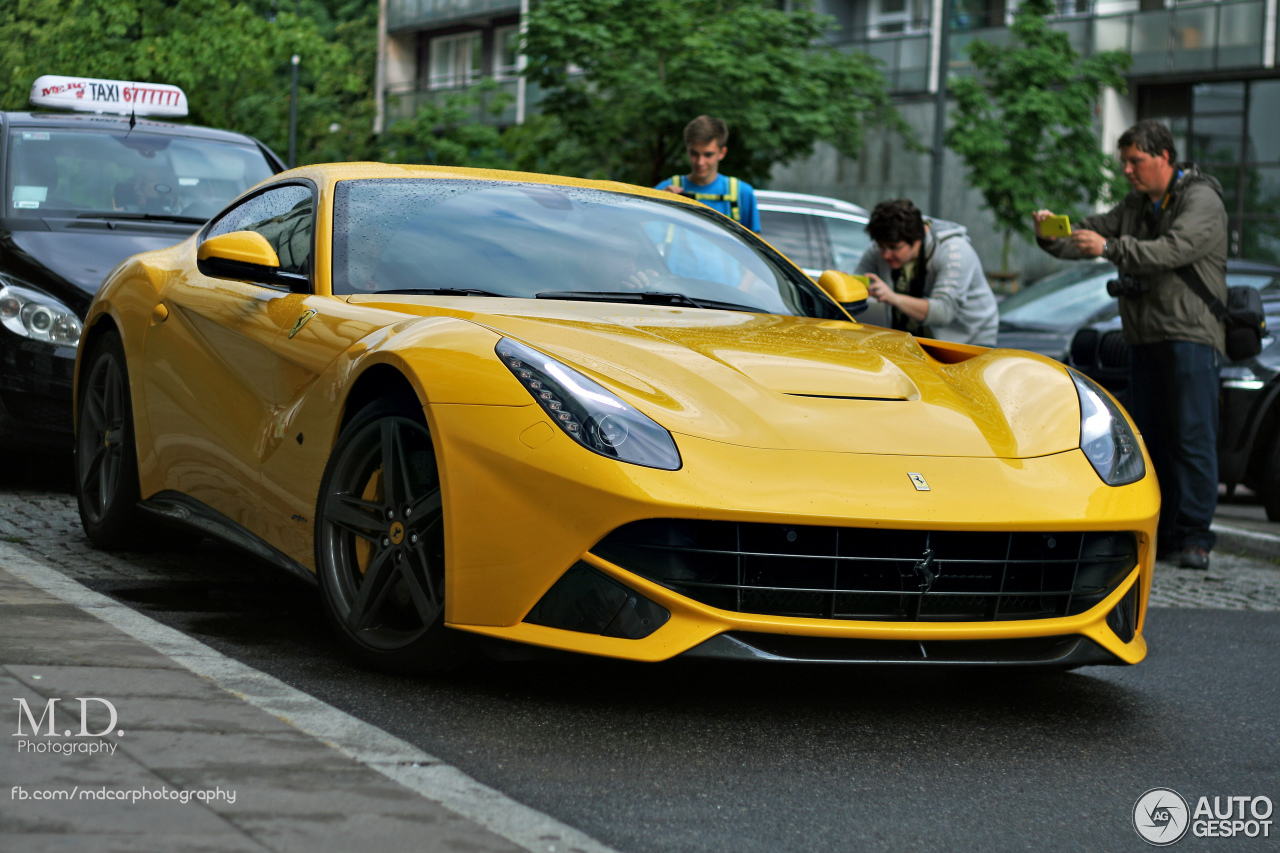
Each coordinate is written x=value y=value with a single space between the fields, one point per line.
x=1084 y=348
x=874 y=574
x=1113 y=352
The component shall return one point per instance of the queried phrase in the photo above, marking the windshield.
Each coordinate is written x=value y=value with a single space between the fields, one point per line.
x=513 y=239
x=1064 y=300
x=73 y=172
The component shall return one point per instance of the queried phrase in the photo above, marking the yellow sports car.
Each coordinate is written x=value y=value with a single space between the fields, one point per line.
x=603 y=419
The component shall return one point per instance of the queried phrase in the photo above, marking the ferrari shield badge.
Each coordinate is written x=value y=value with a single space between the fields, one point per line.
x=918 y=481
x=310 y=312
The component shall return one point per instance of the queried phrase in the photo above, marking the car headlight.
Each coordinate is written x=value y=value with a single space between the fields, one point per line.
x=591 y=415
x=38 y=316
x=1105 y=436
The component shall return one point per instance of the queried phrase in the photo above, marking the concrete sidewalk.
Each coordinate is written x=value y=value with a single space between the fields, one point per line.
x=253 y=779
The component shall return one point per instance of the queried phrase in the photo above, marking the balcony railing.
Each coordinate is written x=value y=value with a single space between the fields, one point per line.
x=402 y=14
x=1208 y=37
x=403 y=101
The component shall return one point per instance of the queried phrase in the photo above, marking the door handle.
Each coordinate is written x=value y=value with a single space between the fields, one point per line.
x=159 y=314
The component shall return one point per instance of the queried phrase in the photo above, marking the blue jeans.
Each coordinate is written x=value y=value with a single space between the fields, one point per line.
x=1173 y=392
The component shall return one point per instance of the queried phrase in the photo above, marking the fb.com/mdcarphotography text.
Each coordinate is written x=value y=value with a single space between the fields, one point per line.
x=130 y=796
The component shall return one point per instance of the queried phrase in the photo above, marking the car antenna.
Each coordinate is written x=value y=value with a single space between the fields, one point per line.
x=133 y=120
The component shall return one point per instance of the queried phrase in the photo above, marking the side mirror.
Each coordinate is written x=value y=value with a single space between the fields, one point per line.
x=246 y=256
x=849 y=290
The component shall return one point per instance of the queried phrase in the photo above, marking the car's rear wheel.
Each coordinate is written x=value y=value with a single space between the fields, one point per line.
x=380 y=541
x=106 y=456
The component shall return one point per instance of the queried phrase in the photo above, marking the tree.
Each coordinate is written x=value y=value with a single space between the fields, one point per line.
x=623 y=78
x=231 y=58
x=1024 y=124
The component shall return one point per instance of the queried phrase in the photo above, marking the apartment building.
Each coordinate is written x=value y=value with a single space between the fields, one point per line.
x=1207 y=68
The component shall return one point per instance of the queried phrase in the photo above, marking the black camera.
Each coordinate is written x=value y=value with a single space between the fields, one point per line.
x=1129 y=285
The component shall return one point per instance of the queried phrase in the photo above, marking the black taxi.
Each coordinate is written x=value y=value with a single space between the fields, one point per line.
x=83 y=191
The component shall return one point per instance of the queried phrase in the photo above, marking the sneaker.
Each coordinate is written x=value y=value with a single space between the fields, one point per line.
x=1192 y=557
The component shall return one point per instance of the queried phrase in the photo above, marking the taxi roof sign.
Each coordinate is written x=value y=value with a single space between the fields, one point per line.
x=85 y=94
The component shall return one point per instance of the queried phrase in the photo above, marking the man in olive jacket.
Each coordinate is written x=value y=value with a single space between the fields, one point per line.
x=1174 y=218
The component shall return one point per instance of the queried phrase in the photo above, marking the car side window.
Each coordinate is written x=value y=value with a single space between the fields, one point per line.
x=284 y=216
x=789 y=234
x=849 y=240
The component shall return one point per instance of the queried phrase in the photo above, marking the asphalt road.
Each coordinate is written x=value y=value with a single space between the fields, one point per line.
x=684 y=757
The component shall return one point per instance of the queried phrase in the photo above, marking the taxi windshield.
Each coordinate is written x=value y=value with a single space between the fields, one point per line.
x=73 y=172
x=528 y=240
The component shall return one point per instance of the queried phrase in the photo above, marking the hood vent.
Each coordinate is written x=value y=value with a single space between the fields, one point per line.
x=845 y=397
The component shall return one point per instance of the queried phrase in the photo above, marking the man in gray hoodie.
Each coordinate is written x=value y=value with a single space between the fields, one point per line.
x=927 y=272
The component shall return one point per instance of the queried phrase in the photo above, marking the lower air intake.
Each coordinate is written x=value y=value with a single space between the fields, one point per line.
x=874 y=574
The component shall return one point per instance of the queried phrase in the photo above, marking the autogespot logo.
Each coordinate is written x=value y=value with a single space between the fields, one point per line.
x=1160 y=817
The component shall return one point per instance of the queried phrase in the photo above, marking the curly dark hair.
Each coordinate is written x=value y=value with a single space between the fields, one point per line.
x=896 y=221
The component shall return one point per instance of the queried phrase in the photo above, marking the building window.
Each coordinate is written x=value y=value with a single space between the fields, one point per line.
x=455 y=60
x=891 y=17
x=506 y=52
x=1230 y=129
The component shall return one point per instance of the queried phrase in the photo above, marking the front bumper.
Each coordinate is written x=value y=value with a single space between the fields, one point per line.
x=507 y=469
x=35 y=393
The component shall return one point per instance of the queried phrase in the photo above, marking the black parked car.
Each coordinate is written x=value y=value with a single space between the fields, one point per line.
x=1044 y=317
x=1249 y=402
x=82 y=192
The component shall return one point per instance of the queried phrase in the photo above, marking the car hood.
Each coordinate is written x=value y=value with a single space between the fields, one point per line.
x=84 y=259
x=771 y=381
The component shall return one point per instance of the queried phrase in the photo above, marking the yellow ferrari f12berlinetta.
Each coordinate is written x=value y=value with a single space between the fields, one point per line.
x=597 y=418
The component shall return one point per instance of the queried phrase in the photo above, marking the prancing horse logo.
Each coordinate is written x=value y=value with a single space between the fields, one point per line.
x=927 y=570
x=301 y=321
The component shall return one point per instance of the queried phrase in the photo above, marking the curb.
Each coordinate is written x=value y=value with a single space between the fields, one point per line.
x=1251 y=542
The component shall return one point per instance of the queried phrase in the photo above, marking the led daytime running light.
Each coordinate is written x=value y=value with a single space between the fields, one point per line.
x=1105 y=436
x=587 y=412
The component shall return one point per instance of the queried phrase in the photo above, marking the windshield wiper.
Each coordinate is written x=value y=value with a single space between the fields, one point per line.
x=645 y=297
x=145 y=217
x=440 y=291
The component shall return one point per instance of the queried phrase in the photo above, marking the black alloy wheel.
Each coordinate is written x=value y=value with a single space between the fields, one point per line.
x=106 y=458
x=380 y=541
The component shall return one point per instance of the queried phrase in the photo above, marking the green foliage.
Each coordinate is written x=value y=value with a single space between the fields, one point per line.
x=448 y=131
x=231 y=58
x=650 y=66
x=1024 y=124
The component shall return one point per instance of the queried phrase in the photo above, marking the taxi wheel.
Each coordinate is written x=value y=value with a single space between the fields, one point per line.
x=380 y=542
x=106 y=456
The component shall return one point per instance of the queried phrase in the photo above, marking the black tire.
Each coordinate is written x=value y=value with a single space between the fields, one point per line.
x=106 y=453
x=380 y=542
x=1271 y=481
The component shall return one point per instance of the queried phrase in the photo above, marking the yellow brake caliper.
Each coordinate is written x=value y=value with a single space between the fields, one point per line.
x=372 y=492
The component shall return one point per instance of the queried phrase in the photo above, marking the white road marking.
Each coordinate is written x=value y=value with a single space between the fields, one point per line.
x=392 y=757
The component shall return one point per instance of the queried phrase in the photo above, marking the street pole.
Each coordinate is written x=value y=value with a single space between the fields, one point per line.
x=293 y=115
x=940 y=113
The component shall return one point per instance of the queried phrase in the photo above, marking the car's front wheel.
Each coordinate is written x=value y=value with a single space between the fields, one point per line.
x=106 y=457
x=380 y=541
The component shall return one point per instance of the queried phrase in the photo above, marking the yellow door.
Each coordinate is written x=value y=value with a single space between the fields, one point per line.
x=212 y=380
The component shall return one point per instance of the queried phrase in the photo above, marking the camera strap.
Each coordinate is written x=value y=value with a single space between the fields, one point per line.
x=1199 y=288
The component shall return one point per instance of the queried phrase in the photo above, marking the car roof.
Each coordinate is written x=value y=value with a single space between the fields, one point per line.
x=774 y=198
x=102 y=121
x=332 y=173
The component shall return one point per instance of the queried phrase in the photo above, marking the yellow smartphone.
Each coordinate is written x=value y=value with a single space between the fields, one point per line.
x=1056 y=226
